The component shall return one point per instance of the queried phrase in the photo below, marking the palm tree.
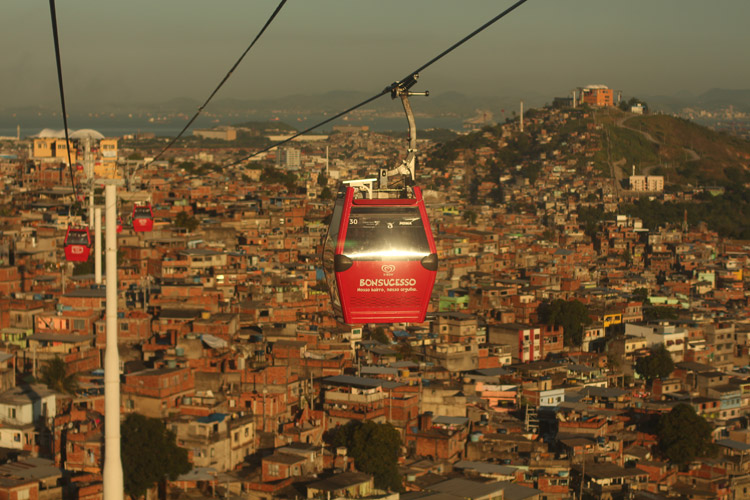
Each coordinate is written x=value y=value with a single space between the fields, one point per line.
x=55 y=375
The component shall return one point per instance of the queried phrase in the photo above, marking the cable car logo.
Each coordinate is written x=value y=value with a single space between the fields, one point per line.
x=388 y=268
x=76 y=249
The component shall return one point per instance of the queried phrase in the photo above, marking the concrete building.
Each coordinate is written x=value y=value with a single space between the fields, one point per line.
x=670 y=336
x=597 y=95
x=221 y=133
x=647 y=183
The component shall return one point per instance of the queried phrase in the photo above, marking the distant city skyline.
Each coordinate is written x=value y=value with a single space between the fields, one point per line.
x=141 y=51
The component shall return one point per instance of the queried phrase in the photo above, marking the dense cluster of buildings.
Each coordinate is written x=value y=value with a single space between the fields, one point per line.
x=226 y=331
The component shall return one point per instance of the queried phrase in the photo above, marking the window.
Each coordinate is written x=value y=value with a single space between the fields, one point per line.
x=375 y=231
x=23 y=495
x=11 y=413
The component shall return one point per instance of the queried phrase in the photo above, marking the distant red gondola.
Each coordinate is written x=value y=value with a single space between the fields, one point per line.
x=383 y=257
x=143 y=218
x=77 y=244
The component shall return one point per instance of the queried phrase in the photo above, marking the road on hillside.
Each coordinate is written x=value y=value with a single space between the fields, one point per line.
x=646 y=170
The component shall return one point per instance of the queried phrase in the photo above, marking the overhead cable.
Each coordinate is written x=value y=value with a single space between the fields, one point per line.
x=392 y=87
x=53 y=14
x=226 y=77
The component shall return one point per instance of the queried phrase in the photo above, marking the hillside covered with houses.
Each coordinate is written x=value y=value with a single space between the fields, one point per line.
x=569 y=333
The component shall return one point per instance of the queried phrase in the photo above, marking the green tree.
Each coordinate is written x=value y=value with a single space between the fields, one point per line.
x=186 y=221
x=571 y=315
x=149 y=454
x=684 y=435
x=659 y=313
x=375 y=449
x=640 y=294
x=658 y=364
x=379 y=335
x=54 y=374
x=406 y=350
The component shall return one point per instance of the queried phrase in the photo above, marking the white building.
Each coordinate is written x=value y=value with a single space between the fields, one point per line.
x=26 y=404
x=647 y=183
x=289 y=158
x=672 y=337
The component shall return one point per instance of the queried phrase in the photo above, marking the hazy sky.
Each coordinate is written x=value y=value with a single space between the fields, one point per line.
x=146 y=50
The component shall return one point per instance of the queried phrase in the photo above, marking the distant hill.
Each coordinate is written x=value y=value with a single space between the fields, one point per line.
x=437 y=104
x=266 y=126
x=689 y=153
x=739 y=98
x=711 y=100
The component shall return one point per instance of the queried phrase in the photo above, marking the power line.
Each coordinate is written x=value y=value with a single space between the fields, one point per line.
x=392 y=87
x=53 y=14
x=226 y=77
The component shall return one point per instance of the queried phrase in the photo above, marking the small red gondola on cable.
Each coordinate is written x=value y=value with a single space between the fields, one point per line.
x=380 y=258
x=77 y=244
x=119 y=225
x=385 y=260
x=143 y=218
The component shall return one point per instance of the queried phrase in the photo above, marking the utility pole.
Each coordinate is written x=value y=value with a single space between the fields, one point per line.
x=112 y=474
x=98 y=245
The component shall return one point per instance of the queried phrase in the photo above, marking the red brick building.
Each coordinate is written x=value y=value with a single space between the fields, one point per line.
x=155 y=392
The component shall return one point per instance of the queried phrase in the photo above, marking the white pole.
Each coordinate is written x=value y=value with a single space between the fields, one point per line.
x=521 y=116
x=91 y=208
x=98 y=245
x=113 y=481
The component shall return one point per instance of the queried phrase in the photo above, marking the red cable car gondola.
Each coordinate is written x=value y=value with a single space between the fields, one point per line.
x=379 y=255
x=384 y=262
x=77 y=244
x=143 y=218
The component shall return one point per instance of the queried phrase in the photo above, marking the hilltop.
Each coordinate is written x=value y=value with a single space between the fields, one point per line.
x=689 y=153
x=684 y=152
x=708 y=167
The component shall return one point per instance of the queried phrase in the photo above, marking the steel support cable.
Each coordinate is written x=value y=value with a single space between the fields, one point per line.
x=53 y=14
x=226 y=77
x=339 y=115
x=390 y=88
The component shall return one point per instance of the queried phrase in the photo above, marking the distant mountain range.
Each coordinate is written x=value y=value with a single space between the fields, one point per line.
x=711 y=100
x=302 y=110
x=447 y=103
